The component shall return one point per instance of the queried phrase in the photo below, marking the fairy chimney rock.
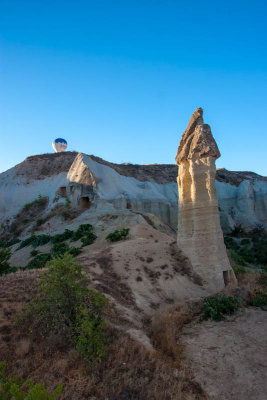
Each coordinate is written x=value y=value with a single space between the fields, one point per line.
x=199 y=231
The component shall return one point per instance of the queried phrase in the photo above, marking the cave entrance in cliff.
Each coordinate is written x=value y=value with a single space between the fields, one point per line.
x=62 y=191
x=84 y=203
x=226 y=277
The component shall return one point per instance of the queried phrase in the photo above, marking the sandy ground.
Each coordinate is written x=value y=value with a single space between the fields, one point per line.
x=229 y=358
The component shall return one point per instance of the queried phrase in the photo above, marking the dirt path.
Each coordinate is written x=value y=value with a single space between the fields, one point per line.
x=229 y=358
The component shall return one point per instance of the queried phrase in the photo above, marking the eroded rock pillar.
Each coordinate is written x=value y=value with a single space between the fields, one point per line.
x=199 y=232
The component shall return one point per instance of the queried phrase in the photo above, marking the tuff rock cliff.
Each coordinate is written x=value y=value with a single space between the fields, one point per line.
x=89 y=181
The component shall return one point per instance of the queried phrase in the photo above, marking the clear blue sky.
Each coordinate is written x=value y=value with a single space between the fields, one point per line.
x=120 y=79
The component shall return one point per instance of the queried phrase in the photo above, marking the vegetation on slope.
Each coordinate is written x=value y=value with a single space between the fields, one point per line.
x=16 y=389
x=247 y=248
x=64 y=305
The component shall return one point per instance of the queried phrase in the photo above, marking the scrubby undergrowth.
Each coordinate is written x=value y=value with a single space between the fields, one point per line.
x=128 y=371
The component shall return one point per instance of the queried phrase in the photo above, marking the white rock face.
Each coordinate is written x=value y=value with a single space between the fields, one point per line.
x=245 y=203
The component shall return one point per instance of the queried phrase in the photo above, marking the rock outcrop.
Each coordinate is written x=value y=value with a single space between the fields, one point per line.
x=199 y=231
x=150 y=188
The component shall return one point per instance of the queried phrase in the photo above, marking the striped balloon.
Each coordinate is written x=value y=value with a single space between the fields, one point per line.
x=59 y=145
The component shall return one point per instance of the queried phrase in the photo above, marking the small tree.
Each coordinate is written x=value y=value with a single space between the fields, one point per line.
x=66 y=306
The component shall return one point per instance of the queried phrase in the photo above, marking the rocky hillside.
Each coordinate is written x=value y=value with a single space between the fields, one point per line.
x=88 y=181
x=154 y=294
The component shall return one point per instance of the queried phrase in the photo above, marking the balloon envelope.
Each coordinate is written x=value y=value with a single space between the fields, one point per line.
x=59 y=145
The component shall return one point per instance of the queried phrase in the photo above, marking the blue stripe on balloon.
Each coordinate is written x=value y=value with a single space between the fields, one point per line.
x=60 y=141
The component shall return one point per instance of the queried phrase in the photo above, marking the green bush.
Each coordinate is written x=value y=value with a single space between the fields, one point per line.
x=245 y=242
x=67 y=202
x=5 y=255
x=118 y=235
x=83 y=230
x=238 y=231
x=230 y=243
x=12 y=242
x=40 y=201
x=40 y=221
x=35 y=241
x=61 y=237
x=13 y=228
x=215 y=308
x=34 y=253
x=11 y=388
x=66 y=306
x=88 y=239
x=247 y=254
x=75 y=251
x=39 y=261
x=258 y=230
x=59 y=249
x=27 y=206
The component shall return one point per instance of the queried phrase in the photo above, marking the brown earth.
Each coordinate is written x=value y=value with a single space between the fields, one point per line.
x=229 y=357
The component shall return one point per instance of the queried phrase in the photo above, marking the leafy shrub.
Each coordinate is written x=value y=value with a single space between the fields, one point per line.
x=12 y=242
x=34 y=253
x=260 y=250
x=27 y=206
x=230 y=243
x=67 y=202
x=39 y=261
x=13 y=228
x=40 y=221
x=258 y=230
x=88 y=239
x=247 y=254
x=215 y=308
x=35 y=241
x=75 y=251
x=40 y=201
x=11 y=388
x=83 y=230
x=238 y=231
x=245 y=242
x=61 y=237
x=27 y=242
x=66 y=306
x=59 y=249
x=118 y=235
x=5 y=255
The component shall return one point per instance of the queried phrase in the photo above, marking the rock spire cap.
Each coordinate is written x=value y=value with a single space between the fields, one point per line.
x=197 y=140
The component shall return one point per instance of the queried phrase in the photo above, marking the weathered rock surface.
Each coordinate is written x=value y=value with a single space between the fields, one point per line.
x=144 y=188
x=199 y=231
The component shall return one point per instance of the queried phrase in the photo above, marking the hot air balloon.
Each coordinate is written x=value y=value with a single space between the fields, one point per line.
x=59 y=145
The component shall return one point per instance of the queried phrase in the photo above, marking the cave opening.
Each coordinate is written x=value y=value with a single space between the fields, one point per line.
x=84 y=203
x=226 y=277
x=62 y=191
